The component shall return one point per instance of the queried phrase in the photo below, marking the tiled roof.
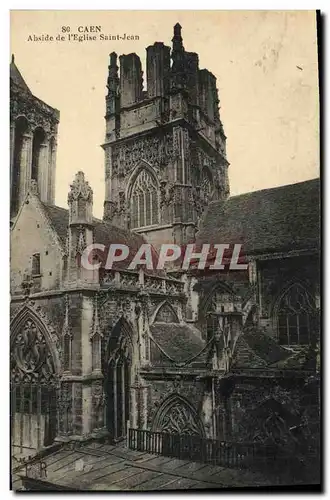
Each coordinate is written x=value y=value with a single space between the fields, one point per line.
x=17 y=78
x=277 y=219
x=245 y=357
x=180 y=342
x=59 y=218
x=104 y=232
x=255 y=349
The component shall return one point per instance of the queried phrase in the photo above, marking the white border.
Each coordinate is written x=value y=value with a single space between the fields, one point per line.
x=4 y=166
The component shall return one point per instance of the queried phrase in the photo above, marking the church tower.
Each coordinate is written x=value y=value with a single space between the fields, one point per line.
x=165 y=148
x=33 y=141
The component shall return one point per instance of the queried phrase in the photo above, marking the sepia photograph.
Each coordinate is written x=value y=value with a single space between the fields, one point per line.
x=165 y=250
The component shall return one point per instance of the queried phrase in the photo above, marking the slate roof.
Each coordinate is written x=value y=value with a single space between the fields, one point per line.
x=105 y=233
x=16 y=77
x=180 y=342
x=255 y=349
x=277 y=219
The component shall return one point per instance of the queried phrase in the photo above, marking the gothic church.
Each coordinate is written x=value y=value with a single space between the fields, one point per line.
x=223 y=355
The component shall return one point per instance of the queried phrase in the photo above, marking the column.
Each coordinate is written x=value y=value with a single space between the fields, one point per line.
x=51 y=171
x=87 y=319
x=133 y=406
x=43 y=171
x=25 y=166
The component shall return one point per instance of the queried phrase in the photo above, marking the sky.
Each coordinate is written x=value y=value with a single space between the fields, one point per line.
x=267 y=75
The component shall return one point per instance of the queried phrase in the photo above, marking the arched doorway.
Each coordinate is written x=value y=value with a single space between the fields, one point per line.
x=33 y=386
x=118 y=380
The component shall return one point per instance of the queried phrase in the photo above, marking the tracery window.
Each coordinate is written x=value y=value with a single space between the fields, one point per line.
x=294 y=317
x=176 y=416
x=33 y=389
x=144 y=201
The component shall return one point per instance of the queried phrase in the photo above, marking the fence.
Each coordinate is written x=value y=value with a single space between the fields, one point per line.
x=200 y=449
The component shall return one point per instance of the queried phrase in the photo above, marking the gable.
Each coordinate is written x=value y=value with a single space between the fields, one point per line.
x=32 y=234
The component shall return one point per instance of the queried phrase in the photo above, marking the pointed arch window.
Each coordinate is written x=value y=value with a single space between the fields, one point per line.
x=33 y=387
x=294 y=317
x=144 y=201
x=117 y=381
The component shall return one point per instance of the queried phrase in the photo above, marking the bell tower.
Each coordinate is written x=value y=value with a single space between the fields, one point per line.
x=33 y=143
x=165 y=147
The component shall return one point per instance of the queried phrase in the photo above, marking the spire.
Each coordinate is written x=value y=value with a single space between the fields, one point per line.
x=178 y=58
x=112 y=84
x=80 y=189
x=80 y=201
x=113 y=79
x=12 y=59
x=177 y=38
x=95 y=329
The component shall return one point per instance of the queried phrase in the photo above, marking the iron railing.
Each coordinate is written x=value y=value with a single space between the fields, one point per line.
x=200 y=449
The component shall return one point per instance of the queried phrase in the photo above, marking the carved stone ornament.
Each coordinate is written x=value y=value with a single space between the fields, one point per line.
x=81 y=242
x=178 y=419
x=34 y=187
x=153 y=149
x=80 y=189
x=31 y=359
x=166 y=193
x=95 y=329
x=37 y=310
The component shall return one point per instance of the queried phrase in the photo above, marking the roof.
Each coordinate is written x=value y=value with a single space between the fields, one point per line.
x=103 y=467
x=16 y=77
x=179 y=342
x=254 y=349
x=104 y=232
x=277 y=219
x=59 y=218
